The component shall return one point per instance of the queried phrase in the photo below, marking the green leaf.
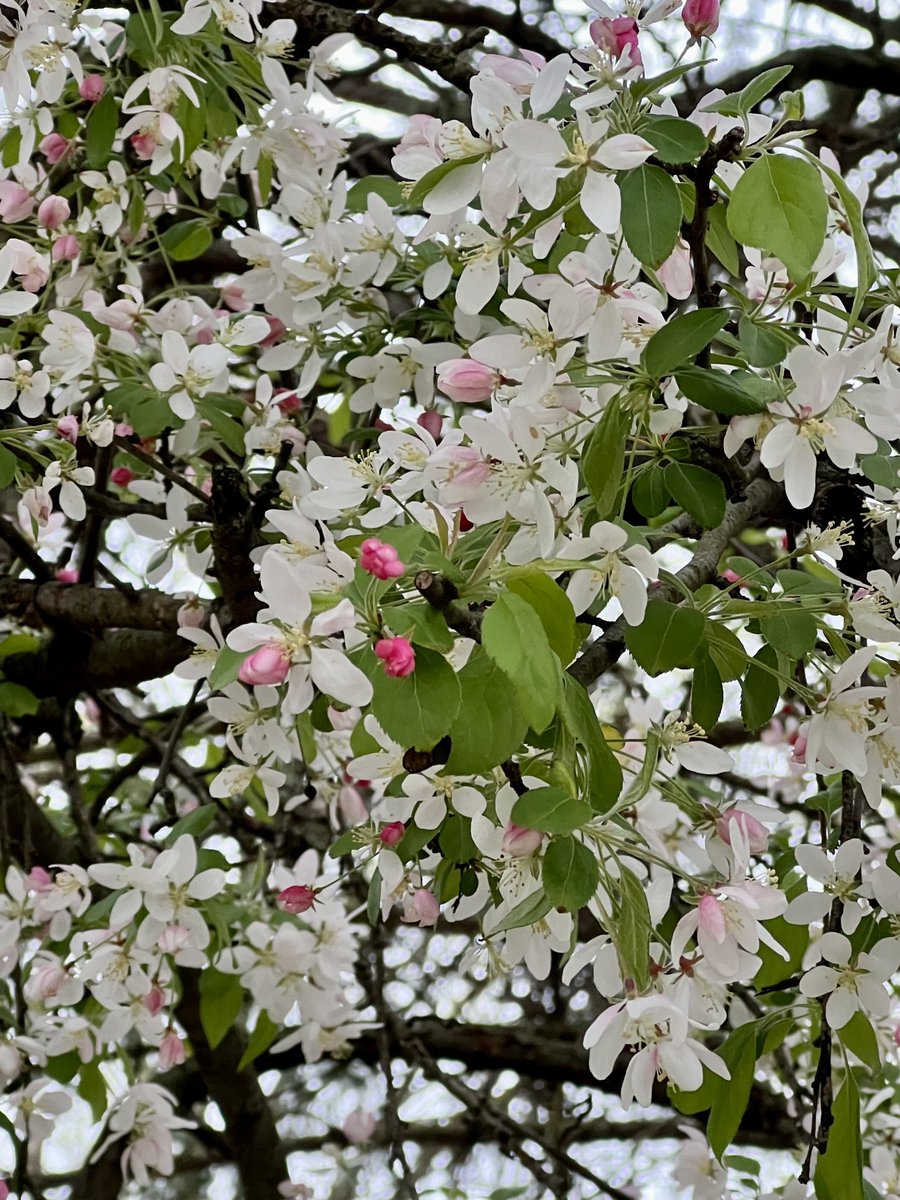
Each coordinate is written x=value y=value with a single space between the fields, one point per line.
x=8 y=464
x=373 y=899
x=666 y=638
x=221 y=998
x=682 y=338
x=881 y=470
x=228 y=663
x=63 y=1067
x=603 y=460
x=194 y=823
x=421 y=624
x=228 y=430
x=100 y=130
x=866 y=269
x=490 y=726
x=859 y=1038
x=18 y=701
x=553 y=607
x=649 y=494
x=432 y=178
x=839 y=1170
x=720 y=241
x=763 y=345
x=533 y=908
x=726 y=651
x=779 y=206
x=719 y=392
x=676 y=140
x=513 y=636
x=793 y=633
x=265 y=1031
x=698 y=491
x=651 y=213
x=551 y=810
x=420 y=708
x=604 y=773
x=774 y=969
x=706 y=692
x=91 y=1087
x=732 y=1096
x=382 y=185
x=570 y=873
x=760 y=689
x=632 y=928
x=757 y=89
x=187 y=239
x=455 y=840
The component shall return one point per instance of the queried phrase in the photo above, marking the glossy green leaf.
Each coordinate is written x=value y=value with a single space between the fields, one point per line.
x=604 y=772
x=187 y=240
x=100 y=130
x=732 y=1097
x=706 y=692
x=570 y=873
x=632 y=928
x=553 y=607
x=720 y=391
x=265 y=1031
x=551 y=810
x=533 y=908
x=764 y=345
x=490 y=724
x=651 y=213
x=760 y=689
x=792 y=632
x=221 y=999
x=676 y=140
x=603 y=460
x=838 y=1173
x=779 y=206
x=666 y=638
x=418 y=709
x=421 y=624
x=17 y=701
x=682 y=339
x=726 y=651
x=698 y=491
x=513 y=636
x=649 y=493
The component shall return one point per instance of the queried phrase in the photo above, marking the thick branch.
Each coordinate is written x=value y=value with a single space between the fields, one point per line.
x=90 y=609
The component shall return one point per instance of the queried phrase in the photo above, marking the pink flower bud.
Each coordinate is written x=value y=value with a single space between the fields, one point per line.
x=92 y=88
x=45 y=984
x=358 y=1127
x=432 y=422
x=192 y=614
x=143 y=144
x=421 y=908
x=4 y=1189
x=277 y=330
x=392 y=833
x=297 y=899
x=52 y=211
x=701 y=17
x=755 y=833
x=799 y=752
x=121 y=476
x=123 y=429
x=38 y=503
x=67 y=575
x=896 y=1040
x=398 y=656
x=267 y=665
x=68 y=427
x=173 y=939
x=233 y=297
x=616 y=35
x=352 y=806
x=287 y=401
x=380 y=560
x=16 y=202
x=203 y=336
x=65 y=248
x=54 y=147
x=171 y=1051
x=466 y=382
x=154 y=1001
x=39 y=880
x=518 y=841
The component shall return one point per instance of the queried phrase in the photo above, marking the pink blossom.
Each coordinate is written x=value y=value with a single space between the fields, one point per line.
x=267 y=665
x=615 y=35
x=277 y=330
x=799 y=752
x=39 y=504
x=352 y=806
x=701 y=17
x=4 y=1189
x=466 y=382
x=92 y=88
x=67 y=575
x=171 y=1051
x=54 y=147
x=45 y=984
x=65 y=248
x=295 y=1191
x=518 y=841
x=39 y=880
x=173 y=939
x=398 y=656
x=233 y=297
x=755 y=833
x=358 y=1127
x=711 y=919
x=288 y=401
x=297 y=899
x=432 y=422
x=392 y=833
x=191 y=615
x=380 y=559
x=154 y=1001
x=123 y=429
x=421 y=908
x=16 y=202
x=121 y=476
x=68 y=427
x=143 y=144
x=52 y=211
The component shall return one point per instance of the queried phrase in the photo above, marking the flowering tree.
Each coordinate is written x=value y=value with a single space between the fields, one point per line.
x=449 y=618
